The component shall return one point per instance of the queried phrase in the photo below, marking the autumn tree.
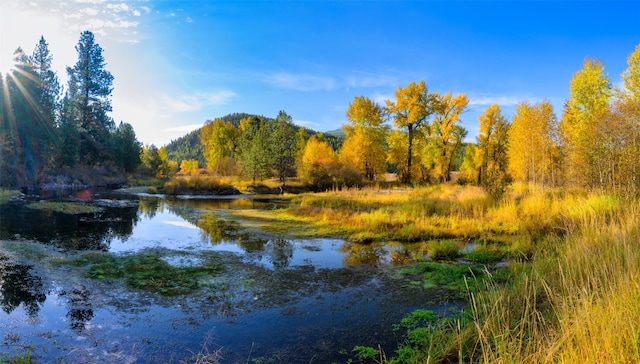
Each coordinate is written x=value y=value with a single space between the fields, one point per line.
x=582 y=123
x=220 y=140
x=283 y=143
x=411 y=111
x=533 y=144
x=318 y=162
x=89 y=93
x=631 y=76
x=364 y=146
x=189 y=167
x=447 y=134
x=156 y=162
x=491 y=159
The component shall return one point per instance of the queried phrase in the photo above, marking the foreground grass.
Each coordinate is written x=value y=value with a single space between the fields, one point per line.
x=571 y=291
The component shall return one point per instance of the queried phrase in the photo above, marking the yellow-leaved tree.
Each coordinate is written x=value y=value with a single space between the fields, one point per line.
x=584 y=124
x=491 y=157
x=411 y=111
x=533 y=151
x=631 y=75
x=446 y=132
x=364 y=147
x=318 y=162
x=220 y=141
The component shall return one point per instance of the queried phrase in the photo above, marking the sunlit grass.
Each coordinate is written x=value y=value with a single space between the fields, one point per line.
x=577 y=302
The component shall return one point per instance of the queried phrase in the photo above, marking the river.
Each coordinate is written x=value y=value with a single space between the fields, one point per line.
x=278 y=299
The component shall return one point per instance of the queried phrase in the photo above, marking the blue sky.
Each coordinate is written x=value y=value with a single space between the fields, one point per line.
x=179 y=63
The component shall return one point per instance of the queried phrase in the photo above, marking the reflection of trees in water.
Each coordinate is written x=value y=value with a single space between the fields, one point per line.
x=280 y=252
x=73 y=232
x=18 y=285
x=409 y=253
x=216 y=230
x=362 y=254
x=150 y=206
x=252 y=245
x=375 y=253
x=80 y=309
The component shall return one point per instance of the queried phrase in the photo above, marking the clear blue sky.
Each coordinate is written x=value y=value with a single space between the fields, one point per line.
x=179 y=63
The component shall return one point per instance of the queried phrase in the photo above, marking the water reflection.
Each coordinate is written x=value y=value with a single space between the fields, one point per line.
x=80 y=309
x=19 y=286
x=92 y=231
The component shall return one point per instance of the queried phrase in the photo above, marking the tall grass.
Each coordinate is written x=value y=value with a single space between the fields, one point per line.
x=577 y=303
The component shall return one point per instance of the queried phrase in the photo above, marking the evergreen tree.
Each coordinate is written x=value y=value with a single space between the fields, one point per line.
x=283 y=143
x=126 y=147
x=255 y=146
x=49 y=97
x=90 y=87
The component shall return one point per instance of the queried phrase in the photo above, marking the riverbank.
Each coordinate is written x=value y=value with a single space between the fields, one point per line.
x=571 y=256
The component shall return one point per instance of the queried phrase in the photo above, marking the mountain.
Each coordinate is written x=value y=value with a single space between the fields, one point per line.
x=190 y=147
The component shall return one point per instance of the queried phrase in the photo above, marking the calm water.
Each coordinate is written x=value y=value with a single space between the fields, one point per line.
x=279 y=300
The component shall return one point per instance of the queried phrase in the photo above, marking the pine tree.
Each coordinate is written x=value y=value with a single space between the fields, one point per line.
x=90 y=87
x=283 y=145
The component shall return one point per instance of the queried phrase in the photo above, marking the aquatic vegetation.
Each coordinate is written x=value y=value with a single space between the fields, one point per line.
x=23 y=358
x=64 y=207
x=144 y=271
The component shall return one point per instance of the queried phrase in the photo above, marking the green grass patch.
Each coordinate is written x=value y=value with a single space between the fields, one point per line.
x=144 y=271
x=444 y=249
x=449 y=275
x=485 y=254
x=64 y=207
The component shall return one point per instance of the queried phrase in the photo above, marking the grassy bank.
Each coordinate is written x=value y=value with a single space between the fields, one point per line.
x=571 y=290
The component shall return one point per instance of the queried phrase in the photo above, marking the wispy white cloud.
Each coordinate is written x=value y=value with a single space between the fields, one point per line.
x=189 y=103
x=501 y=100
x=182 y=128
x=300 y=82
x=307 y=124
x=103 y=17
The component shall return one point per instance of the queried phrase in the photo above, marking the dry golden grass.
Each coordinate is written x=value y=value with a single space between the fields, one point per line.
x=577 y=303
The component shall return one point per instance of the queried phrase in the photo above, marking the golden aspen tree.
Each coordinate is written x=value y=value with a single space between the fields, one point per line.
x=469 y=166
x=364 y=146
x=220 y=141
x=492 y=151
x=318 y=161
x=411 y=111
x=447 y=132
x=532 y=145
x=631 y=76
x=189 y=167
x=583 y=118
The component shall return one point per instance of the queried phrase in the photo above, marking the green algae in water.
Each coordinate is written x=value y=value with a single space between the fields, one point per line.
x=64 y=207
x=144 y=271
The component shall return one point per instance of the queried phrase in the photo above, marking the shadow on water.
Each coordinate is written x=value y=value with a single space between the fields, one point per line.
x=277 y=300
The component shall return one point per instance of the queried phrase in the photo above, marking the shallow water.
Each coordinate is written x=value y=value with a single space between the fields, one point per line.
x=279 y=299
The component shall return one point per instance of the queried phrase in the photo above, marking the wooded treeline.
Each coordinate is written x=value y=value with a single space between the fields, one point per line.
x=418 y=135
x=594 y=145
x=47 y=128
